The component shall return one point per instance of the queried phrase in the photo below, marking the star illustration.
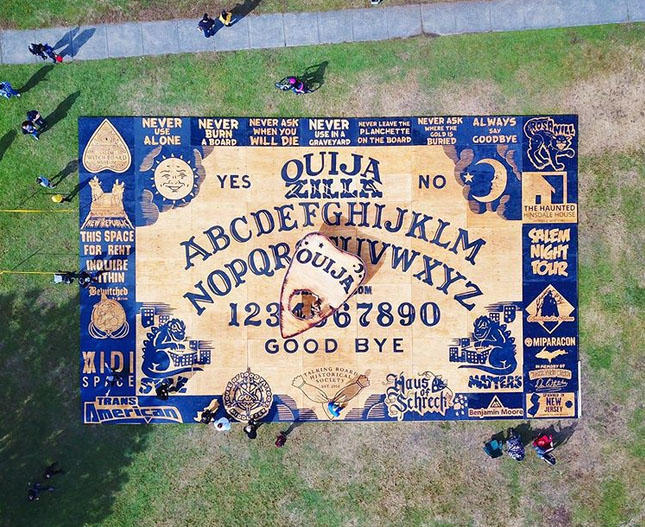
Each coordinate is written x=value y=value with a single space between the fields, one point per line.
x=468 y=177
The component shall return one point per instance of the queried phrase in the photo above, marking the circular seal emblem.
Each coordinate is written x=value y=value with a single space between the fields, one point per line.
x=247 y=396
x=108 y=319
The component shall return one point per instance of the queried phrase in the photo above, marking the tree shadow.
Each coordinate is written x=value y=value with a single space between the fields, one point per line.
x=241 y=10
x=314 y=76
x=5 y=142
x=36 y=78
x=72 y=42
x=41 y=419
x=61 y=110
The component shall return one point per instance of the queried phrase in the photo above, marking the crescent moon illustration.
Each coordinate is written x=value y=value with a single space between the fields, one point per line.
x=498 y=184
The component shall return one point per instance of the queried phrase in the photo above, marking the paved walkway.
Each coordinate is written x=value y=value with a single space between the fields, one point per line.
x=301 y=29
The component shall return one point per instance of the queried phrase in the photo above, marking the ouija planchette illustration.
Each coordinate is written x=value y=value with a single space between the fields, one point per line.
x=319 y=280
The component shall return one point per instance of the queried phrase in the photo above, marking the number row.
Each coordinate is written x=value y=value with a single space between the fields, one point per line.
x=405 y=315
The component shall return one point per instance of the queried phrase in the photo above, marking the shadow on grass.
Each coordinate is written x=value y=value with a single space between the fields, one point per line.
x=241 y=10
x=41 y=419
x=561 y=434
x=314 y=76
x=77 y=188
x=70 y=168
x=36 y=78
x=61 y=110
x=5 y=142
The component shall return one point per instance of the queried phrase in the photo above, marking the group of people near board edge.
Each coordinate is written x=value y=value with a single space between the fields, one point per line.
x=514 y=446
x=223 y=424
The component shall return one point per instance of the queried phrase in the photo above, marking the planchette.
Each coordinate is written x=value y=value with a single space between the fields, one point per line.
x=319 y=280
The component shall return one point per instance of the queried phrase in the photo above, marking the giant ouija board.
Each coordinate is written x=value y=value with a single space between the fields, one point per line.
x=448 y=243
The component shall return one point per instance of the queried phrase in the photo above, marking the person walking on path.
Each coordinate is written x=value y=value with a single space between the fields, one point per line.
x=35 y=117
x=49 y=51
x=226 y=18
x=38 y=50
x=45 y=51
x=43 y=181
x=7 y=91
x=52 y=470
x=206 y=25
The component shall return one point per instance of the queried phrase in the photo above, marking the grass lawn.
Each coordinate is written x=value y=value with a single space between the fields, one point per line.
x=412 y=474
x=46 y=13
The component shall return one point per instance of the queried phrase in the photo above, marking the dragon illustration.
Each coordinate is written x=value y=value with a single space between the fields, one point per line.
x=501 y=346
x=156 y=359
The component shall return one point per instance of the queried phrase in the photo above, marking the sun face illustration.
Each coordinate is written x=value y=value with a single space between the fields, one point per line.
x=174 y=179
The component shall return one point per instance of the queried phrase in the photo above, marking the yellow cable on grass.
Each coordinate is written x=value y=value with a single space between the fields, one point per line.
x=28 y=272
x=36 y=210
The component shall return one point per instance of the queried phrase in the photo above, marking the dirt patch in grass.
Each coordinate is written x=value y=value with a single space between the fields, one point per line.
x=477 y=97
x=558 y=517
x=611 y=109
x=611 y=106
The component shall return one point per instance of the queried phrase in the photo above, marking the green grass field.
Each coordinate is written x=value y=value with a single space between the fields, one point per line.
x=46 y=13
x=409 y=474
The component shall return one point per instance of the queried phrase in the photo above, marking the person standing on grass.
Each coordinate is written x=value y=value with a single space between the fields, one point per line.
x=226 y=18
x=7 y=91
x=514 y=446
x=52 y=470
x=543 y=445
x=206 y=25
x=63 y=277
x=29 y=128
x=251 y=429
x=207 y=416
x=35 y=117
x=222 y=424
x=43 y=181
x=59 y=198
x=33 y=494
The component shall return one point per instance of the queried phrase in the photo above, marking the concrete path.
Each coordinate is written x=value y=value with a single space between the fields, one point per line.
x=300 y=29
